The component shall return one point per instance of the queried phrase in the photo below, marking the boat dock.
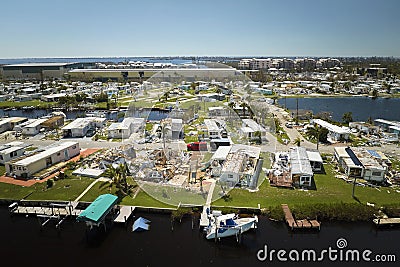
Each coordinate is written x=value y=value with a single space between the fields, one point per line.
x=204 y=221
x=52 y=210
x=125 y=212
x=299 y=224
x=45 y=214
x=386 y=221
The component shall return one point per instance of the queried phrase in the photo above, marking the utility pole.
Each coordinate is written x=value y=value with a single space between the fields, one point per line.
x=297 y=111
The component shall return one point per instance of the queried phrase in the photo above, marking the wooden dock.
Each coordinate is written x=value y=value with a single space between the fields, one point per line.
x=49 y=211
x=204 y=220
x=299 y=224
x=125 y=212
x=52 y=211
x=386 y=221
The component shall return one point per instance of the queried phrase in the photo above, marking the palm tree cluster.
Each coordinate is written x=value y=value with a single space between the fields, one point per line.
x=118 y=176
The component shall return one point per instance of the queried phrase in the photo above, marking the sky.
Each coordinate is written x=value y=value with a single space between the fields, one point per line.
x=99 y=28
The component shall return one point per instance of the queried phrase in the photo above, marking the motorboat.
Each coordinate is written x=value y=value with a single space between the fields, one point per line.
x=228 y=225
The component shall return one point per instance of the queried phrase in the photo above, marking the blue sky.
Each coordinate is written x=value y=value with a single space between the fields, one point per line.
x=91 y=28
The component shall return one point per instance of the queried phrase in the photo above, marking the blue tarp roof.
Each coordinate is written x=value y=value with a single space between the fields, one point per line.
x=374 y=153
x=140 y=224
x=98 y=209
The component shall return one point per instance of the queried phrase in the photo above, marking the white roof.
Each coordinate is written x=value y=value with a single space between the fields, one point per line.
x=299 y=161
x=11 y=149
x=314 y=156
x=55 y=95
x=221 y=153
x=88 y=172
x=331 y=127
x=252 y=151
x=35 y=123
x=48 y=152
x=253 y=125
x=247 y=130
x=82 y=122
x=341 y=152
x=211 y=125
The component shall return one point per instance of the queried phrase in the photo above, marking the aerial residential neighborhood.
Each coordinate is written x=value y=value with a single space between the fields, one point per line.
x=175 y=133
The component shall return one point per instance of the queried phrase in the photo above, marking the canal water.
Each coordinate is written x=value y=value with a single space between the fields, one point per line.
x=24 y=244
x=361 y=107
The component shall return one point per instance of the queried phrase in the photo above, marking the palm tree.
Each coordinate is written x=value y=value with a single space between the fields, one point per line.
x=297 y=141
x=118 y=177
x=314 y=133
x=243 y=105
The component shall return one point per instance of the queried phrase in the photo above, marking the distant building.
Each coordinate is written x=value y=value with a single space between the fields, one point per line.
x=38 y=71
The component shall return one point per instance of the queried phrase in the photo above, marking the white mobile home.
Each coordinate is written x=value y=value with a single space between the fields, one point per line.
x=33 y=128
x=26 y=167
x=300 y=167
x=125 y=128
x=11 y=151
x=212 y=129
x=81 y=126
x=336 y=133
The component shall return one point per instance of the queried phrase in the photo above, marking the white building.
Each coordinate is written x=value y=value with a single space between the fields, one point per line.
x=11 y=151
x=361 y=163
x=81 y=126
x=300 y=167
x=239 y=165
x=213 y=131
x=33 y=128
x=336 y=133
x=255 y=127
x=125 y=128
x=26 y=167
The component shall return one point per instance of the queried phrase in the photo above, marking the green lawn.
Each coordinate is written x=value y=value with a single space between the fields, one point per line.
x=329 y=190
x=16 y=192
x=143 y=199
x=65 y=189
x=35 y=103
x=2 y=169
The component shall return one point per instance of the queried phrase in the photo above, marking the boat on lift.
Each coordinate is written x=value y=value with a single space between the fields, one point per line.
x=228 y=225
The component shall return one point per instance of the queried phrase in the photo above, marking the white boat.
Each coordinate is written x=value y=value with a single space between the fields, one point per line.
x=229 y=225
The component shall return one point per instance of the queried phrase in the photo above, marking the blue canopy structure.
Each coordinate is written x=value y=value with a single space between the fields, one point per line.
x=140 y=224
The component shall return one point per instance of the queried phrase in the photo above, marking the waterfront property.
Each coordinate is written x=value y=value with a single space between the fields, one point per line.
x=392 y=127
x=25 y=167
x=33 y=127
x=240 y=165
x=300 y=167
x=361 y=163
x=295 y=168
